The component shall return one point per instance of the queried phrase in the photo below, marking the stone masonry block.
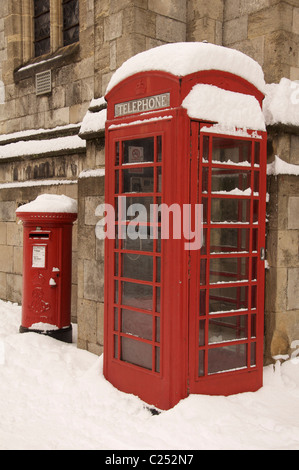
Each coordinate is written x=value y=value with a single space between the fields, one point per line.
x=169 y=8
x=293 y=213
x=6 y=258
x=169 y=30
x=113 y=26
x=235 y=30
x=278 y=17
x=293 y=292
x=93 y=280
x=87 y=320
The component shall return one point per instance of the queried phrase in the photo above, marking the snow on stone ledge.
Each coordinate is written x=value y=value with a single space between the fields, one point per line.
x=184 y=58
x=227 y=108
x=281 y=103
x=93 y=122
x=280 y=167
x=51 y=203
x=98 y=172
x=39 y=147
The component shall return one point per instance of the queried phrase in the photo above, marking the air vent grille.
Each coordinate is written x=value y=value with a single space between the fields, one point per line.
x=43 y=82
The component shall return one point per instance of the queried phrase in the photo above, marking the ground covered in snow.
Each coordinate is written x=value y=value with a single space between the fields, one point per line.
x=53 y=396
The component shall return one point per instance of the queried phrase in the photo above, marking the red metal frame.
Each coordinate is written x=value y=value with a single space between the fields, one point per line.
x=181 y=282
x=249 y=377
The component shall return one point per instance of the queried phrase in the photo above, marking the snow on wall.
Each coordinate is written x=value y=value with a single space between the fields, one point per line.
x=93 y=122
x=281 y=103
x=36 y=147
x=227 y=108
x=51 y=203
x=184 y=58
x=280 y=167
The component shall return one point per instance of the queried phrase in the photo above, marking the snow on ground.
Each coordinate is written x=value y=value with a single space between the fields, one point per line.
x=54 y=396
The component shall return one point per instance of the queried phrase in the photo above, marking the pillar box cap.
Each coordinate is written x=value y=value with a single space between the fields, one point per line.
x=49 y=207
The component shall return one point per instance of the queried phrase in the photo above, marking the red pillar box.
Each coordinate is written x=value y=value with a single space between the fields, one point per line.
x=47 y=265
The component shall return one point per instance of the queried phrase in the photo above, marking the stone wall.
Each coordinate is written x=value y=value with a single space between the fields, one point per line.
x=90 y=266
x=11 y=238
x=267 y=31
x=282 y=275
x=72 y=71
x=111 y=31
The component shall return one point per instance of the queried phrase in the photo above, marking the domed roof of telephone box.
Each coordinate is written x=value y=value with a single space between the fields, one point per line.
x=184 y=58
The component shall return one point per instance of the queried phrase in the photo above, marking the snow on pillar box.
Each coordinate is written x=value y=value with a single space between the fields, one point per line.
x=47 y=265
x=184 y=280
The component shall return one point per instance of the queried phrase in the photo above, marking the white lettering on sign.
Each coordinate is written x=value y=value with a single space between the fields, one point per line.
x=150 y=103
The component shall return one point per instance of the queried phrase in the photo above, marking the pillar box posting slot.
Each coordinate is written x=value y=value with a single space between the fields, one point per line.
x=184 y=287
x=47 y=265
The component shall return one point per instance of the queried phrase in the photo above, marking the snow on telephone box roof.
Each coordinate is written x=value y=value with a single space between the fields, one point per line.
x=230 y=110
x=184 y=58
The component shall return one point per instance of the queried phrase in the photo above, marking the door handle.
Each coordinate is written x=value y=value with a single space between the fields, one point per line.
x=52 y=282
x=263 y=254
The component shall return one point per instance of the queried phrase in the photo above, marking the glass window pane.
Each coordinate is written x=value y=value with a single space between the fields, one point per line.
x=159 y=148
x=42 y=47
x=229 y=269
x=253 y=326
x=158 y=300
x=136 y=266
x=115 y=347
x=41 y=6
x=230 y=210
x=137 y=295
x=201 y=363
x=116 y=319
x=203 y=266
x=229 y=240
x=136 y=209
x=158 y=269
x=138 y=151
x=157 y=359
x=70 y=22
x=205 y=151
x=159 y=179
x=157 y=329
x=202 y=325
x=137 y=324
x=130 y=242
x=227 y=358
x=253 y=354
x=231 y=150
x=230 y=180
x=202 y=303
x=257 y=149
x=228 y=299
x=138 y=180
x=228 y=329
x=136 y=352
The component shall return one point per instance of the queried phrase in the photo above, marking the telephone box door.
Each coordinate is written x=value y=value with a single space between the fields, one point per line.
x=226 y=301
x=144 y=323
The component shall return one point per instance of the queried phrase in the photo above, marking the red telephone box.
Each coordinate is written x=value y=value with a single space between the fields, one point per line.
x=47 y=266
x=183 y=319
